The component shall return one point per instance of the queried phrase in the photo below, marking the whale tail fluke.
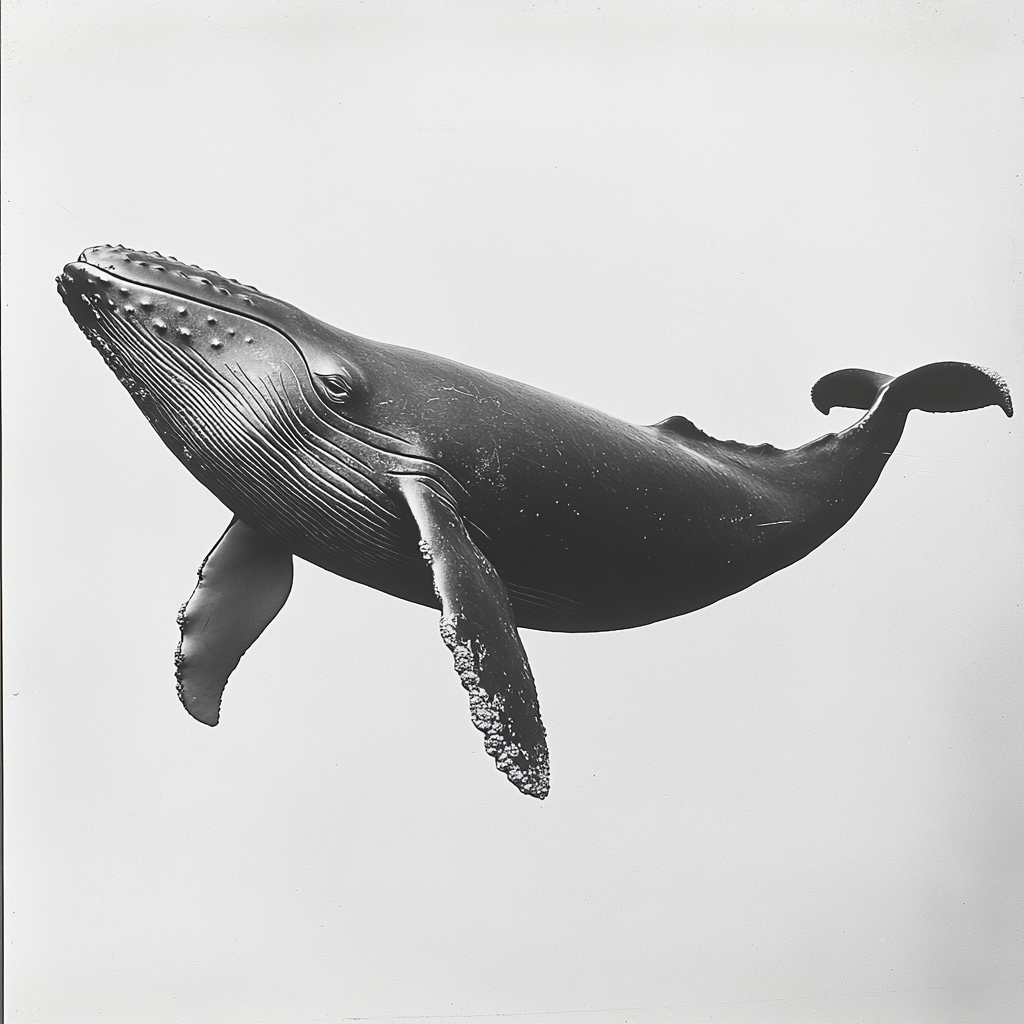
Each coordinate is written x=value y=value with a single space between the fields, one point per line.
x=937 y=387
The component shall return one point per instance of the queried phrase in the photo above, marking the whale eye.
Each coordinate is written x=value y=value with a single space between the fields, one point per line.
x=337 y=387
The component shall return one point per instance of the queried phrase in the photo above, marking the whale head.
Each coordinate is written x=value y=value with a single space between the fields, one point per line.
x=255 y=397
x=138 y=306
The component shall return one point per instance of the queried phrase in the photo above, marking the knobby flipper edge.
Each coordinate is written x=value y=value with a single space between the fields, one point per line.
x=479 y=629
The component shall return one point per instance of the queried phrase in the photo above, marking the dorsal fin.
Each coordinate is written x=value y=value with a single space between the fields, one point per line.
x=682 y=427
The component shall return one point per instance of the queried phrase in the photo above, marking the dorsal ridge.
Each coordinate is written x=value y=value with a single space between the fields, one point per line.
x=682 y=427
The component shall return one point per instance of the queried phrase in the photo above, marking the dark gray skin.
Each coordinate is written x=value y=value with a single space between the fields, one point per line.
x=501 y=504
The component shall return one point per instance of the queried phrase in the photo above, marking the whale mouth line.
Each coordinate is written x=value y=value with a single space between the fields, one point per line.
x=220 y=307
x=99 y=331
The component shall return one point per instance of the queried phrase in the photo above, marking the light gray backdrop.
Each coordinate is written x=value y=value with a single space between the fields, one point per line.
x=801 y=804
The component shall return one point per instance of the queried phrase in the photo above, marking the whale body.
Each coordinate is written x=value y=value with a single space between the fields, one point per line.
x=497 y=503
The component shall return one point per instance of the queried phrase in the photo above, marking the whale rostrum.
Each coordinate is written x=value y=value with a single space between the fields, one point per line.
x=497 y=503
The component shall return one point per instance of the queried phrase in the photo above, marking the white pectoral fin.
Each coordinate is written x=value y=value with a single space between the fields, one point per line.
x=243 y=583
x=478 y=626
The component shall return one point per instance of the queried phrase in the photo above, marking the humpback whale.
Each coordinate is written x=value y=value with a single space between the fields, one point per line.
x=499 y=504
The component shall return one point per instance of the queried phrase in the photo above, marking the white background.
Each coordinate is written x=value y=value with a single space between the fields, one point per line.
x=803 y=803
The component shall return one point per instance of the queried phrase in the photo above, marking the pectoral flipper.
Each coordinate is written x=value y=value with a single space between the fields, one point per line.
x=478 y=627
x=243 y=583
